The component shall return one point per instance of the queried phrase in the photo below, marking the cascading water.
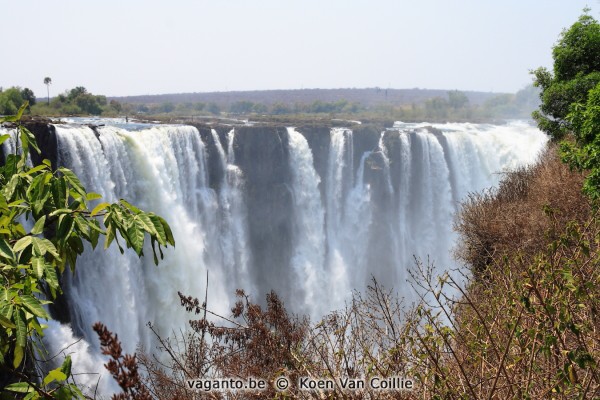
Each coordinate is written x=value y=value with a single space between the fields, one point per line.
x=351 y=222
x=309 y=234
x=162 y=169
x=233 y=233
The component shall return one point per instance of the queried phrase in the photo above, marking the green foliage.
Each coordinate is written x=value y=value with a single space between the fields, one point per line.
x=78 y=101
x=455 y=107
x=166 y=107
x=457 y=99
x=576 y=71
x=48 y=82
x=584 y=153
x=213 y=108
x=241 y=107
x=31 y=260
x=12 y=98
x=571 y=99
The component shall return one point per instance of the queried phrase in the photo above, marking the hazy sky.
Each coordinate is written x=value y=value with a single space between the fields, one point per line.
x=131 y=47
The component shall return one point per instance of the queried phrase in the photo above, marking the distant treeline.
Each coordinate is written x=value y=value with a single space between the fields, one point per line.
x=451 y=106
x=368 y=97
x=77 y=101
x=443 y=106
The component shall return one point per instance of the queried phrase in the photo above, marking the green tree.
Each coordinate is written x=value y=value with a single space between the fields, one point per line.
x=576 y=71
x=116 y=106
x=457 y=99
x=28 y=96
x=76 y=92
x=213 y=108
x=584 y=153
x=48 y=82
x=241 y=107
x=570 y=97
x=166 y=107
x=89 y=104
x=436 y=107
x=10 y=100
x=280 y=108
x=32 y=259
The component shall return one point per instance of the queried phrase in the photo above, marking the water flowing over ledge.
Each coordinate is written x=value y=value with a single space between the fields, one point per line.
x=308 y=212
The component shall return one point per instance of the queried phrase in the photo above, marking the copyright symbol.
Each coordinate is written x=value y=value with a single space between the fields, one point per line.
x=282 y=383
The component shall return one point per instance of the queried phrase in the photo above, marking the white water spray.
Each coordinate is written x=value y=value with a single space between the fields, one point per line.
x=309 y=236
x=340 y=237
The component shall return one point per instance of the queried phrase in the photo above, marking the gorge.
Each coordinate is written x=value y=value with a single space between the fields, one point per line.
x=312 y=212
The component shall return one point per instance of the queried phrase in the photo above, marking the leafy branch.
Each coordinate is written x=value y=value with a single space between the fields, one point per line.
x=57 y=206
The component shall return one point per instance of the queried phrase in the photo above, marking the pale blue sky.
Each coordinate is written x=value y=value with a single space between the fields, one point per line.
x=132 y=47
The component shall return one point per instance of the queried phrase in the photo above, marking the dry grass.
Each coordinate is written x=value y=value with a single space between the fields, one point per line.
x=530 y=329
x=514 y=217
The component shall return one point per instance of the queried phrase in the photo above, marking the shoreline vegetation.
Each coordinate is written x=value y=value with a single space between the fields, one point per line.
x=370 y=105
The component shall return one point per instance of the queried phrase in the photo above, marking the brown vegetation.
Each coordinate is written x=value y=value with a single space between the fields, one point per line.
x=519 y=214
x=528 y=330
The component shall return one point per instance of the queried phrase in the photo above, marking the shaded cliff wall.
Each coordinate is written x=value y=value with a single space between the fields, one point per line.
x=262 y=154
x=45 y=136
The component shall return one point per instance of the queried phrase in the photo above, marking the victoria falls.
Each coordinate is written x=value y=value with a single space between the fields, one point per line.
x=299 y=200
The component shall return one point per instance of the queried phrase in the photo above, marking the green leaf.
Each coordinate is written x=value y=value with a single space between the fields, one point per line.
x=24 y=144
x=65 y=224
x=21 y=328
x=68 y=392
x=4 y=137
x=131 y=207
x=3 y=203
x=38 y=265
x=59 y=194
x=7 y=323
x=51 y=278
x=17 y=116
x=38 y=228
x=153 y=241
x=32 y=396
x=34 y=306
x=110 y=235
x=22 y=244
x=95 y=232
x=136 y=238
x=55 y=375
x=168 y=233
x=160 y=230
x=18 y=355
x=99 y=208
x=146 y=223
x=31 y=139
x=93 y=196
x=6 y=251
x=66 y=366
x=22 y=110
x=36 y=169
x=38 y=247
x=73 y=181
x=20 y=387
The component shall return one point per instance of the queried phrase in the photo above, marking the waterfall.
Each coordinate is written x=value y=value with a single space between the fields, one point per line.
x=233 y=233
x=354 y=219
x=309 y=235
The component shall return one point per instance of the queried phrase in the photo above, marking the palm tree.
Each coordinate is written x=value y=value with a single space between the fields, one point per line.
x=48 y=82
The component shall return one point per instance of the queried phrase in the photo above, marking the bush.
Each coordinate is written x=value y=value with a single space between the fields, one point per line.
x=512 y=218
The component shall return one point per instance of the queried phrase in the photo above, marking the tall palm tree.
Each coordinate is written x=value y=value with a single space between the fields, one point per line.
x=48 y=82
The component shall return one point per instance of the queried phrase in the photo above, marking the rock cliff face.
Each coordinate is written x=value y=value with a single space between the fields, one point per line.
x=263 y=156
x=45 y=136
x=262 y=153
